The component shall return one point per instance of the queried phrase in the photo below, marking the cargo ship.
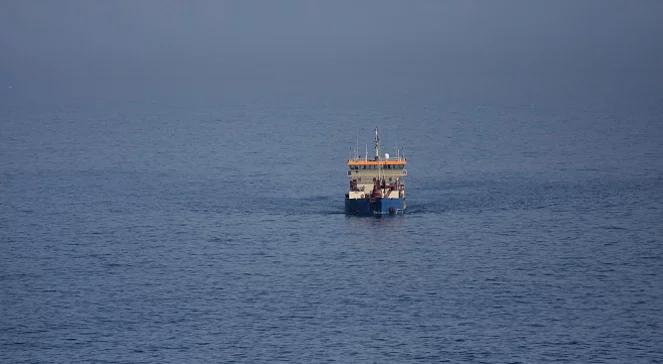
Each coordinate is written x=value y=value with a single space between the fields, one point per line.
x=377 y=184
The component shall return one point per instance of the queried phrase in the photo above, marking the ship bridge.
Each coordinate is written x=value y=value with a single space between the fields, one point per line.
x=369 y=175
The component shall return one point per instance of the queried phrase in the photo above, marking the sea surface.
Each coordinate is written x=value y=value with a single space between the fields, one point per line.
x=217 y=234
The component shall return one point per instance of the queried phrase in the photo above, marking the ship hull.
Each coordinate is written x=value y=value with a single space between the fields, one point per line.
x=376 y=207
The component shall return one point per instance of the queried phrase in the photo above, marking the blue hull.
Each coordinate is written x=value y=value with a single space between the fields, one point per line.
x=385 y=206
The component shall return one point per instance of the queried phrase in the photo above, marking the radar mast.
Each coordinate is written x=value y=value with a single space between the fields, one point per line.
x=377 y=145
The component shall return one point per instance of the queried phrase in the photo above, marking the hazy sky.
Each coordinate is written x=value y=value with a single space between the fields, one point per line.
x=530 y=51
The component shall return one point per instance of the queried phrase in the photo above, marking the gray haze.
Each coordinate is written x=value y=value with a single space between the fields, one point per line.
x=556 y=53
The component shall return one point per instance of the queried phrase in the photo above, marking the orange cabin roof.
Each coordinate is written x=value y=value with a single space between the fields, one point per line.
x=376 y=163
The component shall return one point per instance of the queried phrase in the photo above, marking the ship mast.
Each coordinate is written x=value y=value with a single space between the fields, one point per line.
x=377 y=145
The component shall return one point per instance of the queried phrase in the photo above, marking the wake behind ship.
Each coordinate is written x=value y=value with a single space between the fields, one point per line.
x=377 y=185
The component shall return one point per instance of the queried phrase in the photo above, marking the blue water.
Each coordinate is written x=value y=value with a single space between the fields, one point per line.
x=164 y=234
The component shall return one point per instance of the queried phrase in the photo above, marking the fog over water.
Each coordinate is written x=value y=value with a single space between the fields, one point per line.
x=578 y=53
x=172 y=181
